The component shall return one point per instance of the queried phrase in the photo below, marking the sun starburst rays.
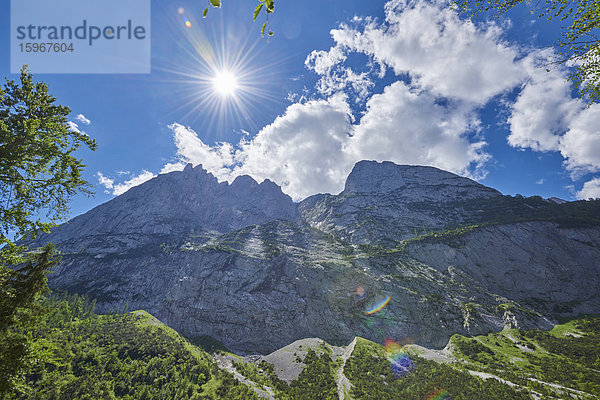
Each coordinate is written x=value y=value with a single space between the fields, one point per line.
x=219 y=82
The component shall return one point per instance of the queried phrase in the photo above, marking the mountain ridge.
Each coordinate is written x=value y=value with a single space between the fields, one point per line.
x=242 y=261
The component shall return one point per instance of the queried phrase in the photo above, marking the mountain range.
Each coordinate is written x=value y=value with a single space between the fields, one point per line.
x=411 y=253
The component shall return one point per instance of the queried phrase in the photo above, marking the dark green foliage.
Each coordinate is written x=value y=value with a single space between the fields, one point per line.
x=20 y=289
x=119 y=356
x=510 y=209
x=38 y=171
x=208 y=343
x=264 y=374
x=574 y=357
x=38 y=175
x=470 y=347
x=316 y=381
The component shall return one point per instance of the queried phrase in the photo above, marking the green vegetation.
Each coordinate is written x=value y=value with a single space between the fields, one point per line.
x=119 y=356
x=511 y=209
x=20 y=310
x=268 y=6
x=134 y=356
x=507 y=210
x=38 y=175
x=371 y=373
x=316 y=381
x=38 y=171
x=567 y=356
x=449 y=237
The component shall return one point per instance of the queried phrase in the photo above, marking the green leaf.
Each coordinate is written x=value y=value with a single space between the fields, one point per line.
x=262 y=30
x=216 y=3
x=270 y=33
x=270 y=6
x=204 y=12
x=257 y=10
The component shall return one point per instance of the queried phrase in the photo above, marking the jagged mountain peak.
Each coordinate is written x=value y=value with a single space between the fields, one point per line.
x=191 y=200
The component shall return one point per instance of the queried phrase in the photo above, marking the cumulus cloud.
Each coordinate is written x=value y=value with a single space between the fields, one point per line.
x=441 y=52
x=82 y=119
x=312 y=147
x=446 y=69
x=190 y=148
x=581 y=143
x=303 y=150
x=407 y=126
x=590 y=190
x=543 y=109
x=120 y=188
x=546 y=118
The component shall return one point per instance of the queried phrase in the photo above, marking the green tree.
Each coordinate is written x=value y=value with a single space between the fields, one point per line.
x=38 y=170
x=20 y=290
x=38 y=175
x=578 y=45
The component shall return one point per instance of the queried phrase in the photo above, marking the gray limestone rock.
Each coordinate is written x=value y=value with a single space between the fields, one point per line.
x=243 y=263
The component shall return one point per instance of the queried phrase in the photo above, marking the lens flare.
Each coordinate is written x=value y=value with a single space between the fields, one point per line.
x=401 y=362
x=378 y=306
x=215 y=76
x=360 y=292
x=180 y=10
x=440 y=394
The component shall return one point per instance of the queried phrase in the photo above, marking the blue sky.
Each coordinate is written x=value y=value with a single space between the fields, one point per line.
x=408 y=81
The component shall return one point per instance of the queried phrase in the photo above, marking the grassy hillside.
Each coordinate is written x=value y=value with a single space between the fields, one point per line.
x=135 y=356
x=121 y=356
x=563 y=363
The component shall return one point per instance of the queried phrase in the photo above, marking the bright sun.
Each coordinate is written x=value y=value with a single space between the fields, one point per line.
x=224 y=83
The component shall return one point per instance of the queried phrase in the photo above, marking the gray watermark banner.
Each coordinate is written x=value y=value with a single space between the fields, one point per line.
x=80 y=36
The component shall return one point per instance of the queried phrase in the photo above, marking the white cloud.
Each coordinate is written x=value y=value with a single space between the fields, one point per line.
x=590 y=190
x=303 y=150
x=540 y=181
x=581 y=144
x=190 y=148
x=334 y=77
x=105 y=181
x=323 y=61
x=449 y=67
x=121 y=188
x=406 y=126
x=546 y=118
x=170 y=167
x=312 y=147
x=544 y=108
x=442 y=53
x=81 y=118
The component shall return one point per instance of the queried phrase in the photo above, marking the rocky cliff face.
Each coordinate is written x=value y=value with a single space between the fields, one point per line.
x=171 y=206
x=246 y=265
x=386 y=203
